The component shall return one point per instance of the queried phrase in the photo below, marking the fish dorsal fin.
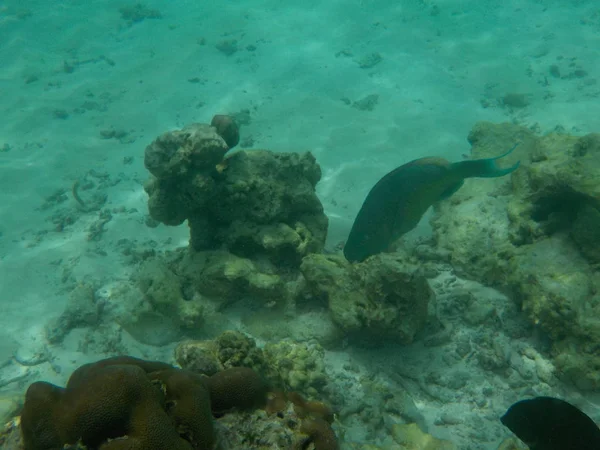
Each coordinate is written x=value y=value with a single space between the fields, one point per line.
x=433 y=160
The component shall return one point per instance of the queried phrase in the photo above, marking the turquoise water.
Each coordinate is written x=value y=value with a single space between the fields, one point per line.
x=365 y=86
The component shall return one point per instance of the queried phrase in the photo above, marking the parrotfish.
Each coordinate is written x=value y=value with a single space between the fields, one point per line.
x=547 y=423
x=395 y=205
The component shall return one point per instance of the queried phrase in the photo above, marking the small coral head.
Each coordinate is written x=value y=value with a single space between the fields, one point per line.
x=227 y=129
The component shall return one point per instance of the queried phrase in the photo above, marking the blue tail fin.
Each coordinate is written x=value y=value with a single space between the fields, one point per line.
x=486 y=168
x=495 y=171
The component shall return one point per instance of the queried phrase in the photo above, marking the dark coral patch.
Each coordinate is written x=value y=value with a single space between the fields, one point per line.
x=237 y=387
x=227 y=129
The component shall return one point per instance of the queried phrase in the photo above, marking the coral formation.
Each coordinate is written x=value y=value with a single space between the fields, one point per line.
x=384 y=297
x=235 y=349
x=291 y=420
x=182 y=163
x=227 y=129
x=223 y=275
x=287 y=365
x=252 y=216
x=536 y=235
x=299 y=367
x=198 y=356
x=229 y=349
x=125 y=402
x=243 y=202
x=320 y=434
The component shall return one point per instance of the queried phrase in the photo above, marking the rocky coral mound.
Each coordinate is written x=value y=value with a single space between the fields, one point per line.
x=385 y=297
x=537 y=236
x=252 y=203
x=253 y=216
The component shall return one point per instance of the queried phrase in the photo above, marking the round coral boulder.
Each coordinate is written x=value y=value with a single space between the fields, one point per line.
x=227 y=129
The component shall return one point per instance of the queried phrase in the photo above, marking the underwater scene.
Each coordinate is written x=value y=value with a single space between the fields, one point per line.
x=316 y=225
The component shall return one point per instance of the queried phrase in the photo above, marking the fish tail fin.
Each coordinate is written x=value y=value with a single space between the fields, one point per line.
x=488 y=168
x=496 y=171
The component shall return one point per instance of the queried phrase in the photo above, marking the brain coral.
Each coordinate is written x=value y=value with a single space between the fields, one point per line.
x=128 y=403
x=237 y=387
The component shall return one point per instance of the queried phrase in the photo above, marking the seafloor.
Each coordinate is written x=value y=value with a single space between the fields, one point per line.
x=182 y=250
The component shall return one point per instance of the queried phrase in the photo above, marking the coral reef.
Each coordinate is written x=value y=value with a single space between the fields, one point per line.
x=385 y=297
x=286 y=365
x=182 y=163
x=229 y=349
x=315 y=417
x=198 y=356
x=125 y=402
x=242 y=203
x=536 y=235
x=291 y=421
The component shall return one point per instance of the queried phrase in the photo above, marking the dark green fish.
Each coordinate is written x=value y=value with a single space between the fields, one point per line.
x=397 y=202
x=547 y=423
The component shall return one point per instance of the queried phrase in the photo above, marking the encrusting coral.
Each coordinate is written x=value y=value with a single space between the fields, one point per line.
x=128 y=403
